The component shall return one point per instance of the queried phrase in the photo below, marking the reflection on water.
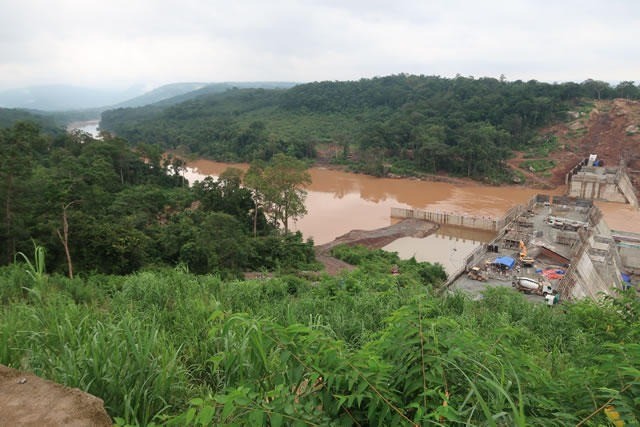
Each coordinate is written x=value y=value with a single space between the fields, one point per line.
x=449 y=246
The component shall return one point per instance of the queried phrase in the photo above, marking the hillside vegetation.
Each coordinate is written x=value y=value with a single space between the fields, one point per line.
x=11 y=116
x=120 y=280
x=402 y=124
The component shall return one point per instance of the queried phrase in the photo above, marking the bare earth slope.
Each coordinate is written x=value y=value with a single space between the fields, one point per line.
x=26 y=400
x=609 y=129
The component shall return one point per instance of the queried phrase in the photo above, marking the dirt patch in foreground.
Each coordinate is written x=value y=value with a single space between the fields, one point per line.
x=27 y=400
x=373 y=239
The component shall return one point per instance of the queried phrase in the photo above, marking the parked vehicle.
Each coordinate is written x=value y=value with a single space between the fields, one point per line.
x=477 y=274
x=532 y=286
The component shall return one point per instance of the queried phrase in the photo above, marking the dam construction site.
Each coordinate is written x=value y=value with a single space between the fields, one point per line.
x=553 y=248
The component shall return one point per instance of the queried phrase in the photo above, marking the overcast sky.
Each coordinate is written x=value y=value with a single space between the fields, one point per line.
x=118 y=43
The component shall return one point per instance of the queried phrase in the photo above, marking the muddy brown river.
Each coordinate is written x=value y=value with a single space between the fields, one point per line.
x=339 y=202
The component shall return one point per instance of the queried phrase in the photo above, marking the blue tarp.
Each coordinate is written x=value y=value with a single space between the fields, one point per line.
x=506 y=261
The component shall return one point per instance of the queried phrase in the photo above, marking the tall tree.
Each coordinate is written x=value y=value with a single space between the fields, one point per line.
x=280 y=186
x=254 y=180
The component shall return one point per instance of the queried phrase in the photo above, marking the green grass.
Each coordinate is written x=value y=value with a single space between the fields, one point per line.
x=362 y=348
x=538 y=165
x=541 y=146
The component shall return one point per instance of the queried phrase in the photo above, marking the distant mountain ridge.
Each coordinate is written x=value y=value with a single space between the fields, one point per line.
x=64 y=97
x=176 y=93
x=160 y=93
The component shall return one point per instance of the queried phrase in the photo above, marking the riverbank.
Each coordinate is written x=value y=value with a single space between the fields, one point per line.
x=372 y=239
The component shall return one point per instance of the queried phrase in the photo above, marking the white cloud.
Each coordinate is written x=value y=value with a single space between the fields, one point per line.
x=157 y=41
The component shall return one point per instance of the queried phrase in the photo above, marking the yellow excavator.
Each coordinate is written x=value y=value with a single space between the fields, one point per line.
x=524 y=259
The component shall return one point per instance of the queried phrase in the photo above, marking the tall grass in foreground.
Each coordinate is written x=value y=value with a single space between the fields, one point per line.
x=441 y=361
x=362 y=348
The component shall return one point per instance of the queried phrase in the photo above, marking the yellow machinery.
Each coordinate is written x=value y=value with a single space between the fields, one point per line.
x=477 y=274
x=524 y=259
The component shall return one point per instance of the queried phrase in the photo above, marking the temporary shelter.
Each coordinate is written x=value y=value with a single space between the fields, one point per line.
x=505 y=262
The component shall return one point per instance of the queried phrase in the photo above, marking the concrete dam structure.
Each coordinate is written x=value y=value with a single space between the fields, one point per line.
x=588 y=180
x=570 y=248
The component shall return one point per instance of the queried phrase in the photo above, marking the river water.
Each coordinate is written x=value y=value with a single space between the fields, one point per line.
x=89 y=126
x=448 y=246
x=338 y=202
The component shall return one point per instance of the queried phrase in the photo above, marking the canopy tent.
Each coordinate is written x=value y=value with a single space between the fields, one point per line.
x=505 y=262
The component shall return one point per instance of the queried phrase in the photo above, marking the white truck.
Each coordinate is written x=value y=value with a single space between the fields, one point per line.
x=532 y=286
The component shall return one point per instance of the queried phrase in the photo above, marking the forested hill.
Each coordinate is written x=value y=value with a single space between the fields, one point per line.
x=10 y=116
x=175 y=93
x=402 y=123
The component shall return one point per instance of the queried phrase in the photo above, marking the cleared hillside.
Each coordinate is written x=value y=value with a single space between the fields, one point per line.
x=608 y=128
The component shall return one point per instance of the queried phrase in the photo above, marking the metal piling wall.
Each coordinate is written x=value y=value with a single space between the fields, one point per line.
x=459 y=220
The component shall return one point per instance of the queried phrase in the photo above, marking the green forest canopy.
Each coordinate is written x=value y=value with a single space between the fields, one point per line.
x=464 y=126
x=115 y=210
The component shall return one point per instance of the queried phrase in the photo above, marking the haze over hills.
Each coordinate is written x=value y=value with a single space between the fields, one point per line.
x=160 y=93
x=71 y=103
x=64 y=97
x=175 y=93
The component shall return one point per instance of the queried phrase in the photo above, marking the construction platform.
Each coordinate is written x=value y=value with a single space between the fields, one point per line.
x=566 y=245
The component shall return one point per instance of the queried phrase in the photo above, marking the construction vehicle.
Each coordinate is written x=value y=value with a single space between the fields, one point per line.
x=532 y=286
x=524 y=259
x=477 y=274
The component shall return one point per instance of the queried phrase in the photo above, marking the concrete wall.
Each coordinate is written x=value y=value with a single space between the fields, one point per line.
x=628 y=245
x=626 y=187
x=596 y=188
x=596 y=267
x=599 y=184
x=469 y=221
x=588 y=281
x=630 y=255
